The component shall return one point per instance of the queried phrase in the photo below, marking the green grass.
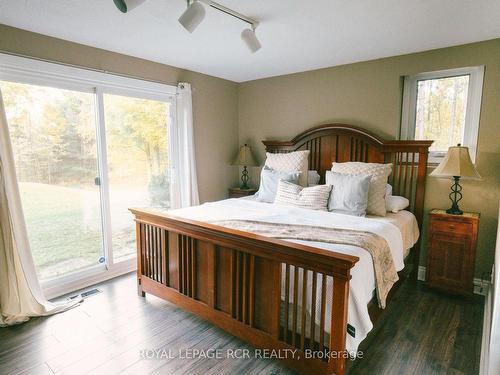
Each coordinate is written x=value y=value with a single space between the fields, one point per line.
x=64 y=228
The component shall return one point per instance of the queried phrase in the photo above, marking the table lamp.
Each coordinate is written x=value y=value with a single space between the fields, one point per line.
x=456 y=164
x=245 y=159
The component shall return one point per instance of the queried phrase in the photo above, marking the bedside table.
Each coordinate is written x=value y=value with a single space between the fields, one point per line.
x=238 y=193
x=451 y=251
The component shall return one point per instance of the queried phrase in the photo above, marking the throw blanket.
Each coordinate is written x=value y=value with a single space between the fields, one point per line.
x=383 y=264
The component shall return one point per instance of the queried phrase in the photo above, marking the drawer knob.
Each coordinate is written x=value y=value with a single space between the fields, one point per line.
x=452 y=226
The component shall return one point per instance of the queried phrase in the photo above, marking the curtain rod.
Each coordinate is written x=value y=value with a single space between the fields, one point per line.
x=87 y=68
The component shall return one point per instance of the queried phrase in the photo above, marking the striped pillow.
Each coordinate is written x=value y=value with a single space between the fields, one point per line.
x=313 y=198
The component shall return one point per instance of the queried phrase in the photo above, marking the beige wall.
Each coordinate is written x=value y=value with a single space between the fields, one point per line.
x=366 y=94
x=214 y=100
x=369 y=94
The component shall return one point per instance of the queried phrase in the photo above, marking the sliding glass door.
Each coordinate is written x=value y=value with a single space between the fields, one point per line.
x=84 y=154
x=138 y=165
x=53 y=135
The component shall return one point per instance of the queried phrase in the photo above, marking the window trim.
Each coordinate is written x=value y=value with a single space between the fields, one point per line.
x=473 y=110
x=38 y=72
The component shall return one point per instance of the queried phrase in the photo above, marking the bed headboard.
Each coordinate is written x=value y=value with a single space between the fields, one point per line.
x=341 y=143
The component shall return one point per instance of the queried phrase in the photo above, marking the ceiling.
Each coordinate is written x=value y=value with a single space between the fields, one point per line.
x=295 y=35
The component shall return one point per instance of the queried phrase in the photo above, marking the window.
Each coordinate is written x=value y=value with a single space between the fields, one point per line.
x=443 y=106
x=87 y=146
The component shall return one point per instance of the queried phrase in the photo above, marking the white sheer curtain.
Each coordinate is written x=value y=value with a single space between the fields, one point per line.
x=183 y=163
x=20 y=294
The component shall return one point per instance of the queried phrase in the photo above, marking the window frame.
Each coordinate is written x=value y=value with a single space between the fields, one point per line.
x=473 y=108
x=26 y=70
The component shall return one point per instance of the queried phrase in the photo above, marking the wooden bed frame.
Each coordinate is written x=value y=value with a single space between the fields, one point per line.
x=234 y=279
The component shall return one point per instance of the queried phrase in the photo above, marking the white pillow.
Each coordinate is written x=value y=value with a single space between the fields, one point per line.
x=388 y=190
x=313 y=178
x=297 y=161
x=394 y=203
x=313 y=198
x=349 y=193
x=379 y=174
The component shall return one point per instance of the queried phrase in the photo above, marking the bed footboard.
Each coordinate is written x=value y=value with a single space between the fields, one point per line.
x=270 y=293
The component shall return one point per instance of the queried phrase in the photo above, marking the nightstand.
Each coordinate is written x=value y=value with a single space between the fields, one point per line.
x=451 y=251
x=238 y=193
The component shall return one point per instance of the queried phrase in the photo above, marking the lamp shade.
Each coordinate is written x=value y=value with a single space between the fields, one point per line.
x=245 y=157
x=457 y=162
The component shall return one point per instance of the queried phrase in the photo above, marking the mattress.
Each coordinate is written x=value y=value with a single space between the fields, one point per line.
x=399 y=230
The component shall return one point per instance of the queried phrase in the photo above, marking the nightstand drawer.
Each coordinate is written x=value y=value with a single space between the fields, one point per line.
x=447 y=226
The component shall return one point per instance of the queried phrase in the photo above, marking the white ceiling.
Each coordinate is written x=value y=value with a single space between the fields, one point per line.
x=295 y=35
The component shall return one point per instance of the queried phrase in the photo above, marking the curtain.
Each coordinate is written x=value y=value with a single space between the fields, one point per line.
x=184 y=184
x=20 y=294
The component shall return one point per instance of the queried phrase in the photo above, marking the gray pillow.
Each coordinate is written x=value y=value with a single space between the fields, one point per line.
x=313 y=178
x=269 y=179
x=349 y=193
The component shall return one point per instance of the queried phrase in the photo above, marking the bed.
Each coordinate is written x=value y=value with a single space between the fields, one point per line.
x=296 y=297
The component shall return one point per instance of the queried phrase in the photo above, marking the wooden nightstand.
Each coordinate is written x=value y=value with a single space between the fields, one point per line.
x=237 y=192
x=451 y=251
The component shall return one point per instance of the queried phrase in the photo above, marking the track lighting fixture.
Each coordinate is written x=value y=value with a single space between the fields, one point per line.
x=195 y=13
x=250 y=39
x=127 y=5
x=192 y=17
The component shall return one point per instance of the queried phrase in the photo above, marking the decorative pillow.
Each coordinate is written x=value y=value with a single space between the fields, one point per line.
x=297 y=161
x=395 y=203
x=269 y=179
x=349 y=193
x=313 y=198
x=313 y=178
x=388 y=194
x=388 y=190
x=379 y=174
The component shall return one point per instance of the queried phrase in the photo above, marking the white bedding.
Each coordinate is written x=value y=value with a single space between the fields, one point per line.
x=399 y=230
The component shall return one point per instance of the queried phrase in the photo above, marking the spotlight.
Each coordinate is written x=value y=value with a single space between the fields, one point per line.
x=250 y=39
x=192 y=17
x=127 y=5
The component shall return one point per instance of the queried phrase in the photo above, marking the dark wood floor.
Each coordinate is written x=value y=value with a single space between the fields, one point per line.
x=422 y=333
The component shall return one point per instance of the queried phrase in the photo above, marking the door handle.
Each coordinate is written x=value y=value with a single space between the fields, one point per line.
x=97 y=181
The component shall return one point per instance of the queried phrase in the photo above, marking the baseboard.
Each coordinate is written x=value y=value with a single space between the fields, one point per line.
x=56 y=290
x=480 y=286
x=485 y=346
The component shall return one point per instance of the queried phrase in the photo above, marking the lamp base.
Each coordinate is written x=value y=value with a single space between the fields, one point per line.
x=455 y=197
x=454 y=211
x=244 y=179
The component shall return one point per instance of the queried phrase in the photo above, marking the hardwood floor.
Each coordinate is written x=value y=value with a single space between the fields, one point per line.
x=115 y=332
x=424 y=332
